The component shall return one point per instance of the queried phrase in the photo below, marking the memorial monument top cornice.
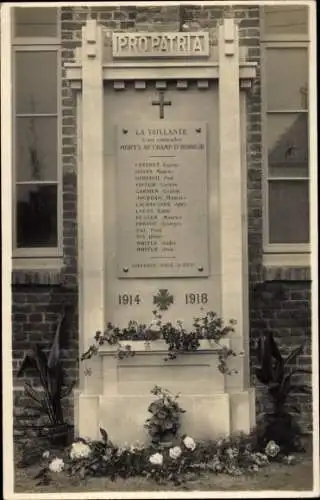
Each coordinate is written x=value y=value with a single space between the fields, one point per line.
x=159 y=55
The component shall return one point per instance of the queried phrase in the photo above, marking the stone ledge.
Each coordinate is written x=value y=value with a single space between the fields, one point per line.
x=37 y=277
x=161 y=347
x=275 y=273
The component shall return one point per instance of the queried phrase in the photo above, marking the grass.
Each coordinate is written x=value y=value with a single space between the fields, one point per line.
x=296 y=477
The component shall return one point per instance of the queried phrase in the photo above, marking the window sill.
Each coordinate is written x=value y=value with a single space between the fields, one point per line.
x=282 y=259
x=37 y=271
x=286 y=267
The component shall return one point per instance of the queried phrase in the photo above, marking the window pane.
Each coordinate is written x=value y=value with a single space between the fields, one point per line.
x=36 y=82
x=36 y=216
x=36 y=149
x=35 y=21
x=286 y=20
x=288 y=212
x=287 y=144
x=287 y=78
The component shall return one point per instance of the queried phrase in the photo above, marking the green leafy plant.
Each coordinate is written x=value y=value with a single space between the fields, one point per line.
x=209 y=327
x=113 y=336
x=164 y=423
x=51 y=377
x=179 y=464
x=274 y=371
x=28 y=453
x=177 y=338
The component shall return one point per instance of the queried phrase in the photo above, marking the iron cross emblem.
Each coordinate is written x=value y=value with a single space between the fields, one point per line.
x=163 y=299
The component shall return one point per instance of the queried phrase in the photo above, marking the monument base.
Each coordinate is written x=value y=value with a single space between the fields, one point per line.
x=212 y=410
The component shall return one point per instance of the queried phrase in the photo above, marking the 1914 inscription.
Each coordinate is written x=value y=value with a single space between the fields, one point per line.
x=162 y=200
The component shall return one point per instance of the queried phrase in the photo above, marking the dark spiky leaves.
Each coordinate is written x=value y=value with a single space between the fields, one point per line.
x=51 y=377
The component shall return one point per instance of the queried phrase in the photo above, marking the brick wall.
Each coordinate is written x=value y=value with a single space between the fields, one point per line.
x=37 y=299
x=283 y=307
x=35 y=311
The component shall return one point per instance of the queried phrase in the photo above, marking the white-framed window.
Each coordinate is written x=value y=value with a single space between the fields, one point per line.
x=37 y=186
x=285 y=125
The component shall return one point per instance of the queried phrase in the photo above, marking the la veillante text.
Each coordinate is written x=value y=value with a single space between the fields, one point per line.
x=155 y=146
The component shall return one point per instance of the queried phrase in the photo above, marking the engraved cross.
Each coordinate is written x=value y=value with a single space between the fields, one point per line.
x=161 y=103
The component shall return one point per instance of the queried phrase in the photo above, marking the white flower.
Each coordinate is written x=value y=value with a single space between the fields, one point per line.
x=237 y=471
x=189 y=443
x=154 y=325
x=272 y=449
x=232 y=452
x=79 y=450
x=179 y=326
x=175 y=452
x=56 y=465
x=260 y=458
x=217 y=466
x=156 y=459
x=289 y=460
x=45 y=454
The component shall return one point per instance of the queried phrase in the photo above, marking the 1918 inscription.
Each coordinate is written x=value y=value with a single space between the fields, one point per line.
x=162 y=200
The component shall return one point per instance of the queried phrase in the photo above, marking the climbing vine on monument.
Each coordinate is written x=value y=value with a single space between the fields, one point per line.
x=178 y=339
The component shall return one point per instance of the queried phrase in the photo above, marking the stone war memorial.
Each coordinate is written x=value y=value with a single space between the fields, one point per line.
x=162 y=204
x=159 y=170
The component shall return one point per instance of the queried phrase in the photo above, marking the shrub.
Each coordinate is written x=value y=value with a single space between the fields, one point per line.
x=279 y=425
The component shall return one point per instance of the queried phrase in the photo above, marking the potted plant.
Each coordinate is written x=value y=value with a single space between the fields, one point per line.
x=164 y=424
x=53 y=387
x=279 y=425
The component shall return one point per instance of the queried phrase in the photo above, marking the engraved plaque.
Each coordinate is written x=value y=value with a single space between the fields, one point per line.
x=162 y=219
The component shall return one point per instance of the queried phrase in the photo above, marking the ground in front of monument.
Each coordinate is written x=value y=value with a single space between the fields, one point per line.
x=276 y=476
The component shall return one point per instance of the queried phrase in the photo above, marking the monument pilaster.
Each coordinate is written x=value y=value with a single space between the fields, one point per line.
x=90 y=218
x=233 y=242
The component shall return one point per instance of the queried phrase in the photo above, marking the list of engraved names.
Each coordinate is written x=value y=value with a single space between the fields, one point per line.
x=162 y=202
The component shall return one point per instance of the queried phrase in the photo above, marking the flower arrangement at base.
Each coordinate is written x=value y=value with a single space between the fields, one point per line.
x=186 y=460
x=178 y=339
x=163 y=460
